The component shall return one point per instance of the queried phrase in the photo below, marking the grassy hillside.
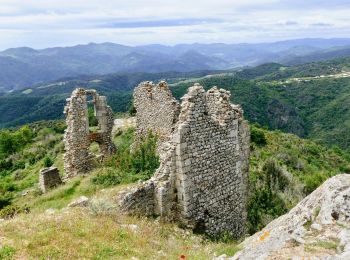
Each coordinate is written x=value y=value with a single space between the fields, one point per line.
x=283 y=170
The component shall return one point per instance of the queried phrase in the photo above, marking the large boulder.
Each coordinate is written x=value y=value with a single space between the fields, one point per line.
x=317 y=228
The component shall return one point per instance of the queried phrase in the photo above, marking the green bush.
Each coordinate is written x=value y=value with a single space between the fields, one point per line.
x=7 y=252
x=263 y=203
x=5 y=200
x=12 y=210
x=14 y=141
x=48 y=161
x=145 y=158
x=92 y=118
x=257 y=136
x=132 y=109
x=107 y=178
x=312 y=181
x=274 y=177
x=142 y=160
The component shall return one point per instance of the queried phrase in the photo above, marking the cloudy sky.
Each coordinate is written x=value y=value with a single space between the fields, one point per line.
x=47 y=23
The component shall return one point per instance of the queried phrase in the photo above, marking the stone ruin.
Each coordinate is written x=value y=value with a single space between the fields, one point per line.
x=78 y=137
x=158 y=111
x=49 y=178
x=204 y=161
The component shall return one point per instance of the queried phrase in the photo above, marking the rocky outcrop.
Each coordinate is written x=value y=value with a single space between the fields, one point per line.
x=317 y=228
x=202 y=178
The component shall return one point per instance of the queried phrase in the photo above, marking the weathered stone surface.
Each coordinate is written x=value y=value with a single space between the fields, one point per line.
x=77 y=137
x=157 y=111
x=82 y=201
x=202 y=178
x=49 y=178
x=322 y=218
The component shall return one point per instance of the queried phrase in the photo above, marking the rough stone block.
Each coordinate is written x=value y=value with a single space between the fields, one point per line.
x=49 y=178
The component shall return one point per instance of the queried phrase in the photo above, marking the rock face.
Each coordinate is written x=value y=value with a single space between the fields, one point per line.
x=157 y=111
x=317 y=228
x=202 y=178
x=77 y=137
x=49 y=178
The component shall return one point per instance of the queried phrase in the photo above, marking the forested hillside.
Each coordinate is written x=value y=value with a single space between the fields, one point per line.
x=309 y=100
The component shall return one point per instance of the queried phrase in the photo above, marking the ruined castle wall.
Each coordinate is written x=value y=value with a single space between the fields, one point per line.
x=77 y=137
x=157 y=110
x=202 y=178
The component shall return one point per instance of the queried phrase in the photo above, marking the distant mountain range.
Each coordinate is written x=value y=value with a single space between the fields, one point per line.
x=24 y=67
x=310 y=100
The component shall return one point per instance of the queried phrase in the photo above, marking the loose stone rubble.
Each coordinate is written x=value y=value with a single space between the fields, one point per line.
x=317 y=228
x=49 y=178
x=202 y=178
x=157 y=111
x=77 y=137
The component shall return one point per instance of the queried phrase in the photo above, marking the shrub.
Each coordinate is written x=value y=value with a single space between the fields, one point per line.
x=5 y=200
x=11 y=142
x=262 y=203
x=257 y=136
x=108 y=177
x=48 y=161
x=132 y=109
x=12 y=210
x=7 y=252
x=145 y=158
x=92 y=118
x=5 y=165
x=274 y=178
x=312 y=181
x=142 y=160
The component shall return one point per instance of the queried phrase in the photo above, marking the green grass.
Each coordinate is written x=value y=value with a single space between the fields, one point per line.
x=7 y=252
x=283 y=170
x=328 y=245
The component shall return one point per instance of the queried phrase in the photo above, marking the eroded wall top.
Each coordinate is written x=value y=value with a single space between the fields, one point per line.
x=157 y=110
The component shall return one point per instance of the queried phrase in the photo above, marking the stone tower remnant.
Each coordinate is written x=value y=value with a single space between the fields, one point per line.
x=203 y=173
x=78 y=137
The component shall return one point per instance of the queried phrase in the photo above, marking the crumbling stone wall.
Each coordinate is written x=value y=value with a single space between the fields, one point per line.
x=157 y=111
x=202 y=178
x=77 y=137
x=49 y=178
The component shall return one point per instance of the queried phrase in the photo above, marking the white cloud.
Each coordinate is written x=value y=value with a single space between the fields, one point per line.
x=46 y=23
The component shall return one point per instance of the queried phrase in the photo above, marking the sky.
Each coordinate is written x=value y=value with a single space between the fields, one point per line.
x=48 y=23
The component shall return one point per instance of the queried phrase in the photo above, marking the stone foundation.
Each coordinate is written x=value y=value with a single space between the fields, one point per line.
x=49 y=178
x=202 y=178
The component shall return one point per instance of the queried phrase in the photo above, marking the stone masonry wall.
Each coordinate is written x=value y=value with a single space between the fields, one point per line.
x=49 y=178
x=202 y=178
x=157 y=110
x=77 y=137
